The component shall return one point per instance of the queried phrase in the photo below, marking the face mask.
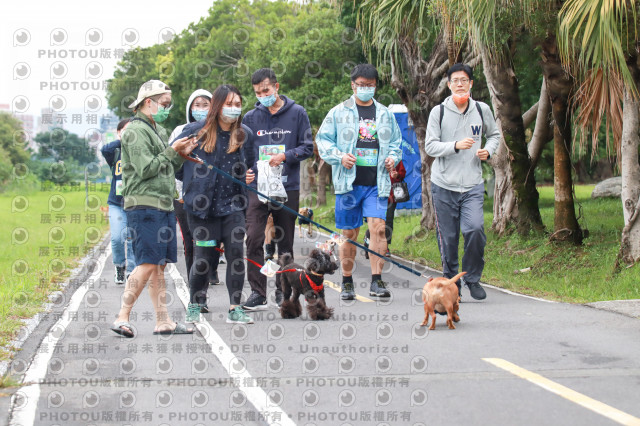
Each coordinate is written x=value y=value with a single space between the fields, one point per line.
x=267 y=101
x=460 y=99
x=161 y=115
x=365 y=93
x=231 y=113
x=199 y=114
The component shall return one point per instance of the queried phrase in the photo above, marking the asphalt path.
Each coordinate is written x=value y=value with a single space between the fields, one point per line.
x=511 y=360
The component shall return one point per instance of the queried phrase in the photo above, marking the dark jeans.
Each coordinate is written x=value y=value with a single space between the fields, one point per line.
x=230 y=231
x=388 y=230
x=456 y=212
x=285 y=223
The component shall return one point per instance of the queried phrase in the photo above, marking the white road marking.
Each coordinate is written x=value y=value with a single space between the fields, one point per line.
x=24 y=402
x=256 y=395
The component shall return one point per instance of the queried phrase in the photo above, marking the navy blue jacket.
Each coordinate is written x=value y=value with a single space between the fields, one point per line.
x=199 y=182
x=111 y=153
x=289 y=127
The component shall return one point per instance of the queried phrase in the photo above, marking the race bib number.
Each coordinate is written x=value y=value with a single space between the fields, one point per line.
x=367 y=157
x=119 y=187
x=266 y=151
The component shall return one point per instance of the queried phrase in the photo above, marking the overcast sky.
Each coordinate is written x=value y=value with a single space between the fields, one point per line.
x=47 y=49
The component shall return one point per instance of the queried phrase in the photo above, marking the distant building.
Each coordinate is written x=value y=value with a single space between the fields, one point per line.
x=50 y=119
x=108 y=122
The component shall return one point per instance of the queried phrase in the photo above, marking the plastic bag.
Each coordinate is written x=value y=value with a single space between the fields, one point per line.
x=270 y=182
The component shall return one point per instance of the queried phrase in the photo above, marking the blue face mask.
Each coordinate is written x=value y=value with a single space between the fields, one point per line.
x=267 y=101
x=231 y=112
x=365 y=93
x=199 y=114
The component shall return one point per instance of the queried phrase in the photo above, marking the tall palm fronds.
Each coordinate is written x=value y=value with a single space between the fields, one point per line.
x=594 y=37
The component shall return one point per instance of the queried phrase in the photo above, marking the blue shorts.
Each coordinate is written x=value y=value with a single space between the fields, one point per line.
x=153 y=233
x=360 y=202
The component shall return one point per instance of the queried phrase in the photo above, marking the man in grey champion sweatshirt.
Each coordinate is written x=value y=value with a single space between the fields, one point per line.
x=454 y=138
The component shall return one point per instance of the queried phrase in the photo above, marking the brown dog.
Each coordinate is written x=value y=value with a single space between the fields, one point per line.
x=308 y=214
x=441 y=294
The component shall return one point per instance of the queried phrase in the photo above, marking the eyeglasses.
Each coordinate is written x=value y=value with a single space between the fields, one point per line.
x=365 y=85
x=165 y=106
x=460 y=81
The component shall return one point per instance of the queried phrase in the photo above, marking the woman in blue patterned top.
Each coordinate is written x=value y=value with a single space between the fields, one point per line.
x=215 y=205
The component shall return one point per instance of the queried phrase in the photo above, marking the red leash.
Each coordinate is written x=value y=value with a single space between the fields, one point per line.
x=260 y=266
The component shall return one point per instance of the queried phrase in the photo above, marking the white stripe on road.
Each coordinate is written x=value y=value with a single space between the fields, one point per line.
x=513 y=293
x=569 y=394
x=256 y=395
x=24 y=402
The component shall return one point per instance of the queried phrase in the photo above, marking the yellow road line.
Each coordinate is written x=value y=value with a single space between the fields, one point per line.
x=337 y=288
x=563 y=391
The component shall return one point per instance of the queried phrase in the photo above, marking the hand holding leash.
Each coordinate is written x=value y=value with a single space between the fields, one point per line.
x=185 y=146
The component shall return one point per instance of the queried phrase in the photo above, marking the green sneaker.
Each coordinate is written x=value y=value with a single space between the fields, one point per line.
x=238 y=316
x=193 y=313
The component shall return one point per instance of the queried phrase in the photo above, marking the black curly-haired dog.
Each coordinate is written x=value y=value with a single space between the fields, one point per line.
x=296 y=280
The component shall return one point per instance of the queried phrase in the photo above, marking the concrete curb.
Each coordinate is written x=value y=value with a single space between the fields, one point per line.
x=630 y=308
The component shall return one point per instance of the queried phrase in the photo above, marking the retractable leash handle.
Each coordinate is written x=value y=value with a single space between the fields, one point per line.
x=279 y=204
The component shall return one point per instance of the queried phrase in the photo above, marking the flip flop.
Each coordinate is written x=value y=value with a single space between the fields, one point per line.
x=180 y=329
x=123 y=328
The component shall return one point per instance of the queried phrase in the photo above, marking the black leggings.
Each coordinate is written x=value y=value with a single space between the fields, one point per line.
x=229 y=230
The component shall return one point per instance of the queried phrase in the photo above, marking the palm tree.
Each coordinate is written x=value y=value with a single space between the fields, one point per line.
x=598 y=41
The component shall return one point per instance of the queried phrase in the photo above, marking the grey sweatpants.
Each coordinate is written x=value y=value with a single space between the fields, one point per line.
x=455 y=212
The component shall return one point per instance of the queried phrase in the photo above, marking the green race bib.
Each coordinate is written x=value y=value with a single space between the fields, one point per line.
x=266 y=151
x=367 y=157
x=119 y=187
x=210 y=243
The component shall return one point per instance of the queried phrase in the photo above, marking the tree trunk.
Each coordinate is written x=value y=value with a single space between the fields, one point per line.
x=306 y=184
x=543 y=131
x=630 y=244
x=559 y=86
x=428 y=218
x=419 y=87
x=516 y=196
x=322 y=180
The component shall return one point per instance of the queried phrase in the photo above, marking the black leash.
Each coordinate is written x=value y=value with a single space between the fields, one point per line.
x=280 y=204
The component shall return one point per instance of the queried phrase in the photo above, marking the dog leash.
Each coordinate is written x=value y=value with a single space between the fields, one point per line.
x=276 y=203
x=259 y=266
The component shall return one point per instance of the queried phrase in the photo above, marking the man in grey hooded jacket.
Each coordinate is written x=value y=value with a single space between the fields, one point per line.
x=454 y=138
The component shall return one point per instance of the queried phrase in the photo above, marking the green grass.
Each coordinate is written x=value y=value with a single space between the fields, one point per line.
x=48 y=254
x=558 y=271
